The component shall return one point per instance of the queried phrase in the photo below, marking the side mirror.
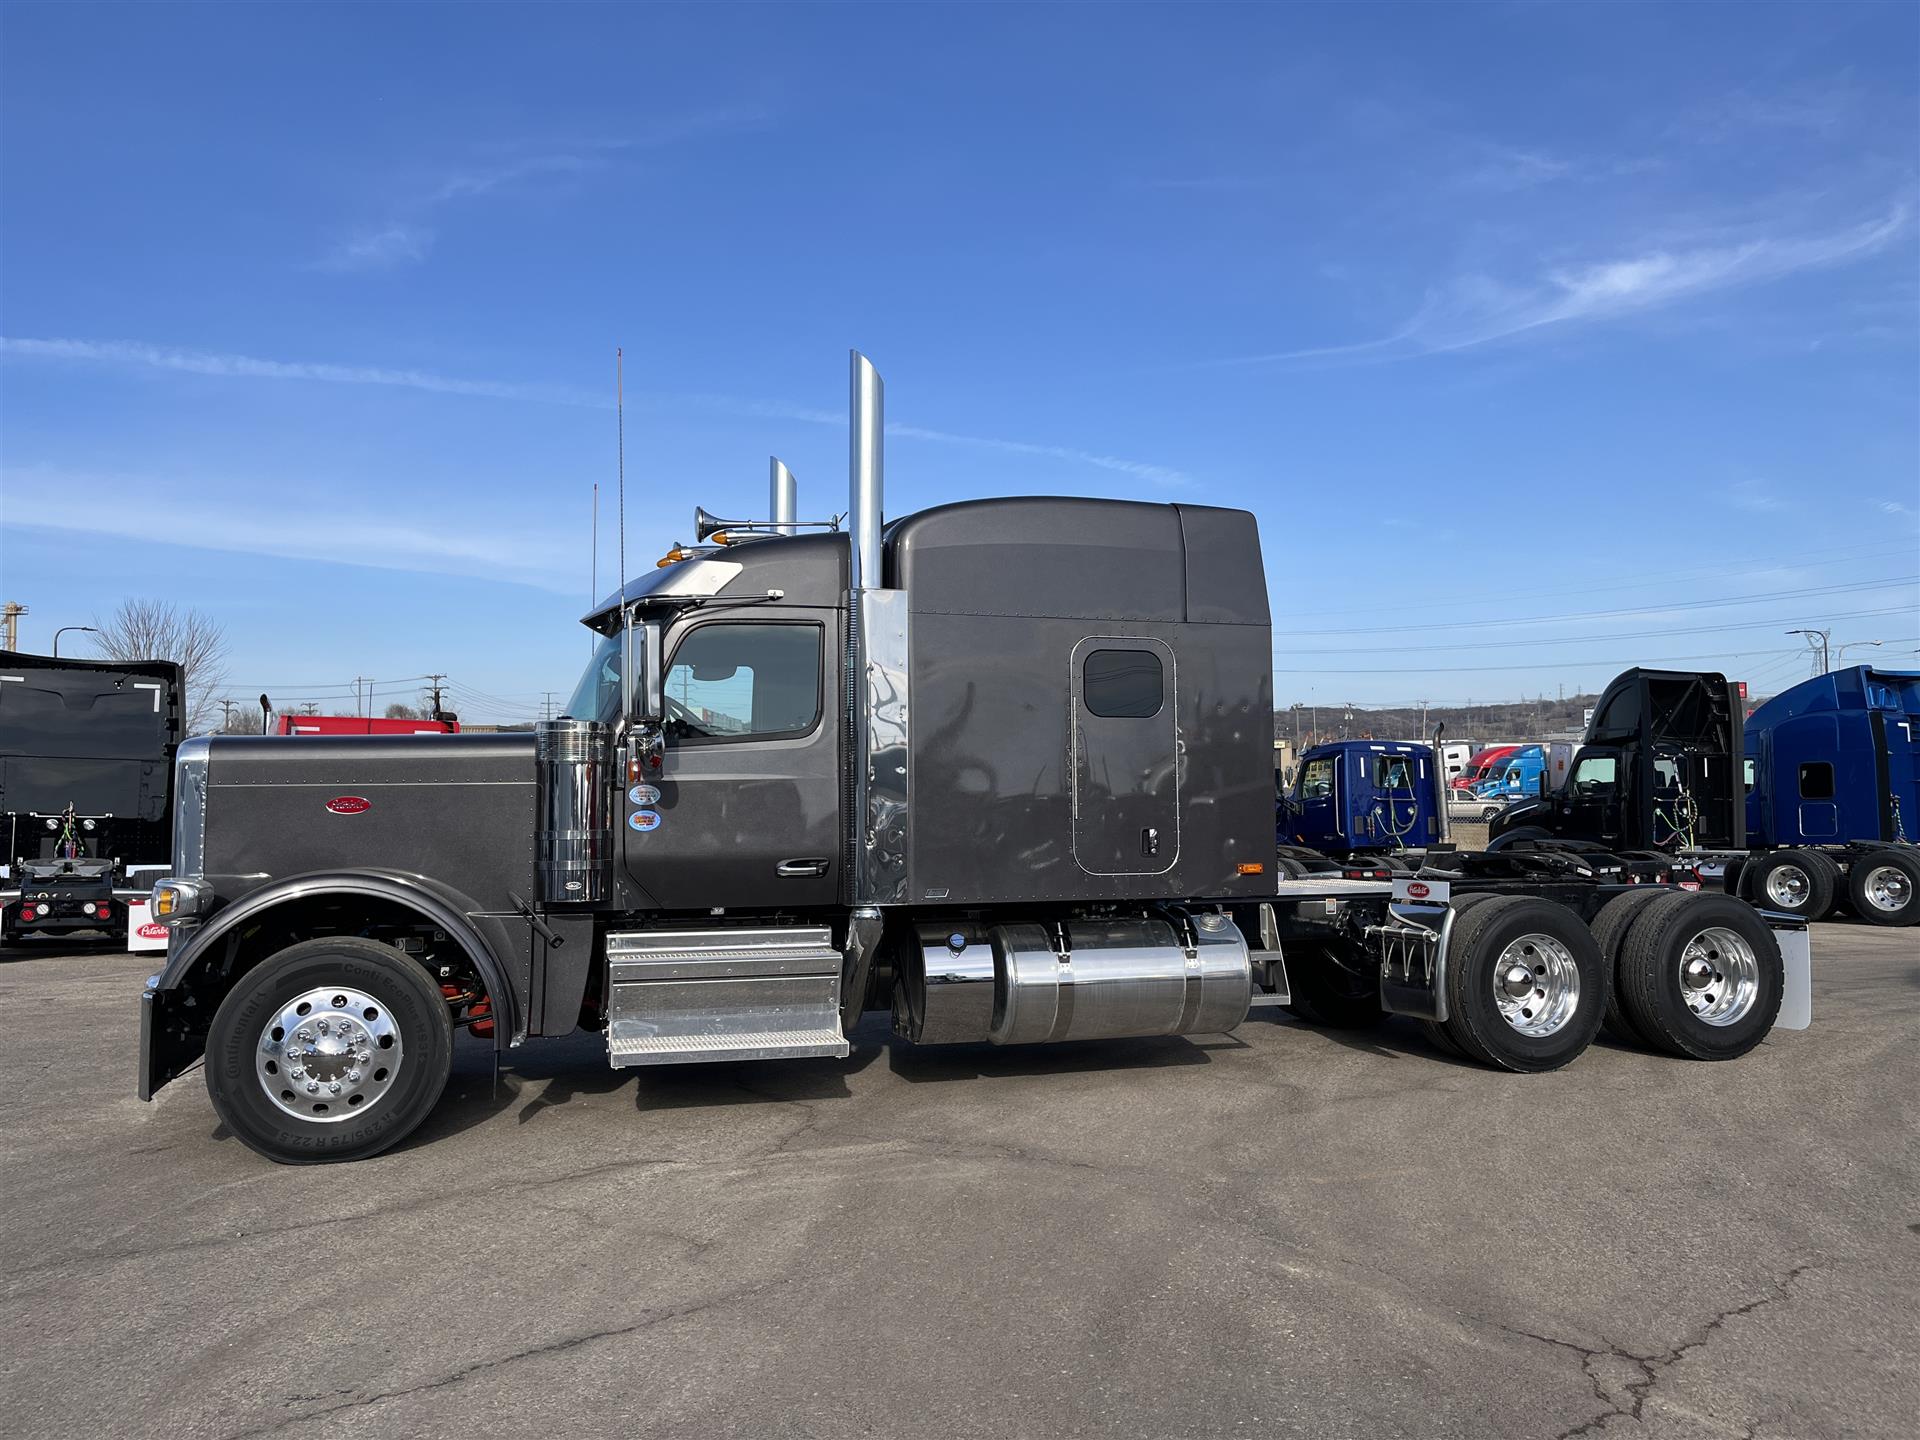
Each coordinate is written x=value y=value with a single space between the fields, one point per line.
x=640 y=672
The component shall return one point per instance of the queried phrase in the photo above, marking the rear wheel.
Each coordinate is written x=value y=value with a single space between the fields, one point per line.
x=332 y=1049
x=1526 y=987
x=1884 y=887
x=1794 y=882
x=1325 y=992
x=1610 y=933
x=1701 y=976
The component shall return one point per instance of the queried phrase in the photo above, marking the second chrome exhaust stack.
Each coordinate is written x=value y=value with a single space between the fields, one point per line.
x=782 y=497
x=866 y=478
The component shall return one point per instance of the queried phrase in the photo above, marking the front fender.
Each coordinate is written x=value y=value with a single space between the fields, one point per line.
x=167 y=1045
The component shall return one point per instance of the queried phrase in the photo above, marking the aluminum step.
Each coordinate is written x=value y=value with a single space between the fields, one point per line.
x=691 y=1049
x=687 y=996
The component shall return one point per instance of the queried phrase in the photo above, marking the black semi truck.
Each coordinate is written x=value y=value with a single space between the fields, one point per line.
x=86 y=774
x=1002 y=767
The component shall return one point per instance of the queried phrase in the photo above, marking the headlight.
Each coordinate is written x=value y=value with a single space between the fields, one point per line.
x=175 y=900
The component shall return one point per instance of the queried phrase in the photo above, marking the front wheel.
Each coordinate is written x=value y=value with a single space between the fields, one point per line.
x=333 y=1049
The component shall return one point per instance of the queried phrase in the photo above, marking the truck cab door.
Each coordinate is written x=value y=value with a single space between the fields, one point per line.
x=746 y=812
x=1592 y=799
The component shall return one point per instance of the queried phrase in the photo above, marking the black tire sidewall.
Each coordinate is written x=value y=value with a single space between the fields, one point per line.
x=1610 y=928
x=1650 y=976
x=1474 y=1020
x=1856 y=888
x=1820 y=872
x=399 y=985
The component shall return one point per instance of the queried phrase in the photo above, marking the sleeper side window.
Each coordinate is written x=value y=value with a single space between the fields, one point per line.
x=1316 y=779
x=1123 y=684
x=743 y=682
x=1816 y=780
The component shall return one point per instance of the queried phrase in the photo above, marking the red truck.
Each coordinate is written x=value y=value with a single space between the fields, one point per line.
x=359 y=725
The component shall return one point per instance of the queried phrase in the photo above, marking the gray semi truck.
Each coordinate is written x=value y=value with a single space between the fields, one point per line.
x=1002 y=767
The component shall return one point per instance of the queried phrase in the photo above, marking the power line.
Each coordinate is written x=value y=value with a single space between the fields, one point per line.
x=1611 y=636
x=1511 y=620
x=1640 y=660
x=1731 y=567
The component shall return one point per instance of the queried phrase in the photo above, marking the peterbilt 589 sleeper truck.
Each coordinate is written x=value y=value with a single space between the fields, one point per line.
x=1003 y=767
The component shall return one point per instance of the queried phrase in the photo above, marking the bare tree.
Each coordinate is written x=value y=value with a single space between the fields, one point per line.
x=397 y=711
x=157 y=630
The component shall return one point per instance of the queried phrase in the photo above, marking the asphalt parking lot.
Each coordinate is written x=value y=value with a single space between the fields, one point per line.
x=1287 y=1231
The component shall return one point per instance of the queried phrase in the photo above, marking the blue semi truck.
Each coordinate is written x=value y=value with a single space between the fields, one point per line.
x=1811 y=803
x=1368 y=797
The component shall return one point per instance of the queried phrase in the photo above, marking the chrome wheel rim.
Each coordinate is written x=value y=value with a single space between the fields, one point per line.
x=329 y=1055
x=1536 y=985
x=1719 y=976
x=1888 y=889
x=1788 y=886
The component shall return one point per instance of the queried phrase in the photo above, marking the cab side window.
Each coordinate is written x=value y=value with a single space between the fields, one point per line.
x=732 y=681
x=1816 y=781
x=1316 y=780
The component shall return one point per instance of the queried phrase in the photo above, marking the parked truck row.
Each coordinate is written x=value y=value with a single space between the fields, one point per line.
x=1805 y=806
x=1001 y=768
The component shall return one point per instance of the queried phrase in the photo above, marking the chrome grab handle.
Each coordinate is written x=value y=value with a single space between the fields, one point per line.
x=800 y=869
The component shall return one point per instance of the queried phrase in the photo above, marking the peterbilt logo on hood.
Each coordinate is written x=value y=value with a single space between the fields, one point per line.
x=349 y=805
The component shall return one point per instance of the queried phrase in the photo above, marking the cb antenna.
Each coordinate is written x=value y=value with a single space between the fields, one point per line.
x=620 y=456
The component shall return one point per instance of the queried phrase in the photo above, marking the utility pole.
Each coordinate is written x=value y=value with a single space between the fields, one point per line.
x=1817 y=641
x=547 y=706
x=10 y=614
x=226 y=716
x=436 y=679
x=358 y=680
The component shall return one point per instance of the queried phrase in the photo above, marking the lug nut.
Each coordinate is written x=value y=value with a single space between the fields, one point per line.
x=313 y=1087
x=334 y=1087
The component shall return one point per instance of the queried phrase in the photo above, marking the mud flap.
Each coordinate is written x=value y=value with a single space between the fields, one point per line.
x=1796 y=958
x=1411 y=949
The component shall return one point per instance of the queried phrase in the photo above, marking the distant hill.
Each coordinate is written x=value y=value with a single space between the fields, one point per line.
x=1494 y=721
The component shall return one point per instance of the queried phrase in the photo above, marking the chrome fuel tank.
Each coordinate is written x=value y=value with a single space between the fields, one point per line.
x=1029 y=983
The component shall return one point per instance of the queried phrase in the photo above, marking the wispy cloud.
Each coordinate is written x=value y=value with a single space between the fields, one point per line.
x=1752 y=496
x=407 y=236
x=227 y=518
x=1140 y=470
x=1493 y=166
x=142 y=355
x=1479 y=309
x=251 y=367
x=379 y=247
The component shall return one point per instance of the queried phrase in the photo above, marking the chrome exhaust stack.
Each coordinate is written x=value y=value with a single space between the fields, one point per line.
x=783 y=497
x=866 y=478
x=879 y=809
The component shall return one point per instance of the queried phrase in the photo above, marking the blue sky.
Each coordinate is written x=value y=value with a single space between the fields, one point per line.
x=1541 y=339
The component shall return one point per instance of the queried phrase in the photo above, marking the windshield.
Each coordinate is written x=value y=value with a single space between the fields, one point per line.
x=597 y=696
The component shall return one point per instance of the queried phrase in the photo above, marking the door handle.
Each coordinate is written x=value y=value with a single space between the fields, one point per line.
x=800 y=869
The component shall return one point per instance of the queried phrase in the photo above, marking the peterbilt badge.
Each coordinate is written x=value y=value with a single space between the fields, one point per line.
x=349 y=805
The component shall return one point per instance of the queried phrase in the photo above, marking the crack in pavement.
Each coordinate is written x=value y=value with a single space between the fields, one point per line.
x=353 y=1401
x=1651 y=1367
